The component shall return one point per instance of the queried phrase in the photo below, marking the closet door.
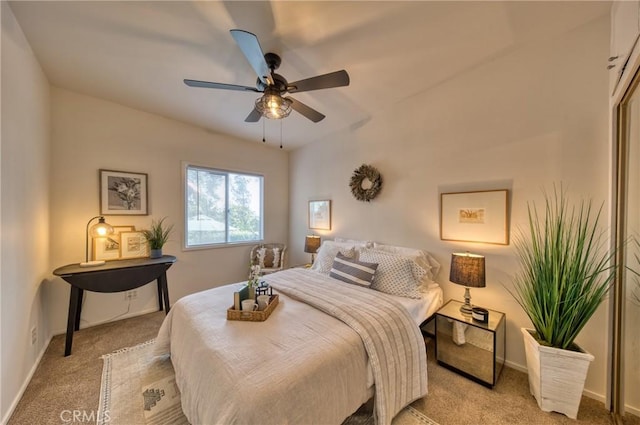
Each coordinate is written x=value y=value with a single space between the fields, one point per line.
x=627 y=292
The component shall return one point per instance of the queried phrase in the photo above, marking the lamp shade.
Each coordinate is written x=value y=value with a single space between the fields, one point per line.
x=311 y=244
x=98 y=230
x=467 y=270
x=101 y=228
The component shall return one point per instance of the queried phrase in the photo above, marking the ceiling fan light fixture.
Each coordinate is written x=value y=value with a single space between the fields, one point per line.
x=273 y=106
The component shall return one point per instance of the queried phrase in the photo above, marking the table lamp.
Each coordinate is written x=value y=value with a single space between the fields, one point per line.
x=467 y=270
x=100 y=229
x=311 y=245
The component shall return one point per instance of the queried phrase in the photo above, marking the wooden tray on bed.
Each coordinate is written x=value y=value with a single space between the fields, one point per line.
x=253 y=316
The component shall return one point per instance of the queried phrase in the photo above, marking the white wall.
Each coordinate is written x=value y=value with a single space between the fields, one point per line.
x=25 y=211
x=532 y=116
x=89 y=134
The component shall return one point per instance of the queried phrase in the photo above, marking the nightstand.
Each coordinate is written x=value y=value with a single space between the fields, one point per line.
x=469 y=347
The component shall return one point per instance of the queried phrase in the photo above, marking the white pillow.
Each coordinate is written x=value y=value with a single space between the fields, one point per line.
x=423 y=258
x=355 y=242
x=327 y=253
x=396 y=274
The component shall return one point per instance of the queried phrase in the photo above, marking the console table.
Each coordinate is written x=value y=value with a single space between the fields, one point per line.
x=113 y=276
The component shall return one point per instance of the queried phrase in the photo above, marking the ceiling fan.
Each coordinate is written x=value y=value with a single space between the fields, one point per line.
x=273 y=104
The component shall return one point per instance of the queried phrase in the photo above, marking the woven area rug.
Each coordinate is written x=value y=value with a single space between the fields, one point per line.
x=139 y=389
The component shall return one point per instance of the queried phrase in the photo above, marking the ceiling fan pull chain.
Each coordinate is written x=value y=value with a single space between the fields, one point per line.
x=263 y=139
x=280 y=134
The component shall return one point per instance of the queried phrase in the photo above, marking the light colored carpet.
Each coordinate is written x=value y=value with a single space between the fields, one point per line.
x=138 y=388
x=62 y=385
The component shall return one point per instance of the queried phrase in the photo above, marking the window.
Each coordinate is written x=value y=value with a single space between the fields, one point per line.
x=222 y=207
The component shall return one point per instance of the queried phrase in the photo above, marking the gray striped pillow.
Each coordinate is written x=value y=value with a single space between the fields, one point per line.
x=352 y=271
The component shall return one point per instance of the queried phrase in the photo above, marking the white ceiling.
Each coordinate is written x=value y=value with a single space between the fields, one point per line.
x=138 y=53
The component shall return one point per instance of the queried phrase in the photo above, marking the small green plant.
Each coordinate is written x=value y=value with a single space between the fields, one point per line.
x=566 y=271
x=158 y=234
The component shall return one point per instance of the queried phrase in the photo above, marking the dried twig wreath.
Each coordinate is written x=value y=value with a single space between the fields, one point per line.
x=365 y=172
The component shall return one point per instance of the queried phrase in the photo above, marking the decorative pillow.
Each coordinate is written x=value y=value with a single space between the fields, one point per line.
x=352 y=271
x=262 y=252
x=327 y=252
x=276 y=258
x=396 y=274
x=423 y=258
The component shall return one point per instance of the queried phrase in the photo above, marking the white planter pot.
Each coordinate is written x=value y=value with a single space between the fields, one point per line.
x=556 y=376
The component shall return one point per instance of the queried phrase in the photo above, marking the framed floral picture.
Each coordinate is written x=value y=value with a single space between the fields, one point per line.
x=123 y=193
x=133 y=245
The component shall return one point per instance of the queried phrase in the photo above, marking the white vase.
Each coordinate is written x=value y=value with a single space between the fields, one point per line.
x=556 y=376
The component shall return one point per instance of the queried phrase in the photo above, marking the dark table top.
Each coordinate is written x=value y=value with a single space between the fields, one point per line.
x=113 y=265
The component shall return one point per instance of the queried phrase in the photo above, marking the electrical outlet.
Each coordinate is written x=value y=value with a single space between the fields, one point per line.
x=130 y=295
x=34 y=335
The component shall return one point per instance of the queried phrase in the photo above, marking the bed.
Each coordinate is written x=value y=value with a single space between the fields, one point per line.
x=327 y=348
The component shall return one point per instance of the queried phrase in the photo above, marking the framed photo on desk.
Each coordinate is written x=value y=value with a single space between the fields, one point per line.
x=133 y=245
x=108 y=248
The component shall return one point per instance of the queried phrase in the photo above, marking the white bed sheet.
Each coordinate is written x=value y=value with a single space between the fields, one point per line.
x=191 y=345
x=421 y=309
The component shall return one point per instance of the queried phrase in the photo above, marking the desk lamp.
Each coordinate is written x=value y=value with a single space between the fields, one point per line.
x=98 y=230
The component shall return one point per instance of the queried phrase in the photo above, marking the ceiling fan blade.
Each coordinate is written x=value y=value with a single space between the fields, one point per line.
x=305 y=110
x=333 y=79
x=254 y=116
x=250 y=46
x=210 y=85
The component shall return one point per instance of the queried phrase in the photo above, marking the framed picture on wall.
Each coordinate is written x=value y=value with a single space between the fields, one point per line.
x=320 y=215
x=123 y=193
x=475 y=217
x=133 y=245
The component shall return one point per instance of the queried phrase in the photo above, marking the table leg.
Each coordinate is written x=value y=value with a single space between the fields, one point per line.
x=79 y=308
x=162 y=281
x=71 y=318
x=160 y=303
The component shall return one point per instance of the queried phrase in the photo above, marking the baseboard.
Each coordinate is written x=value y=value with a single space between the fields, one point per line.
x=633 y=410
x=516 y=366
x=112 y=319
x=595 y=396
x=26 y=382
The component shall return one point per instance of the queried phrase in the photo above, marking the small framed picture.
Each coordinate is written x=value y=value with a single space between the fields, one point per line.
x=320 y=215
x=475 y=217
x=108 y=248
x=123 y=193
x=133 y=245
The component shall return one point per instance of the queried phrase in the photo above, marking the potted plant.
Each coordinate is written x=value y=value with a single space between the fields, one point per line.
x=566 y=272
x=157 y=236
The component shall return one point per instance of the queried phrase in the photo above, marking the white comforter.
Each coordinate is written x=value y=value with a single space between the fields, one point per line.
x=299 y=366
